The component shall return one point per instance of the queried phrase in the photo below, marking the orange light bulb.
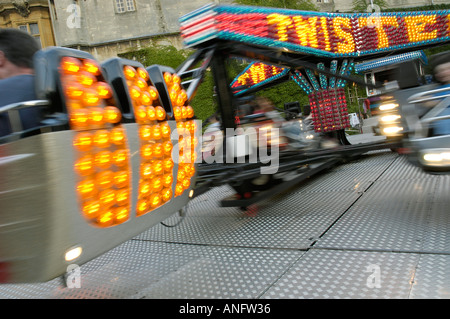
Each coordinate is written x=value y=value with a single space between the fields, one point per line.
x=121 y=178
x=153 y=92
x=129 y=72
x=151 y=113
x=165 y=130
x=85 y=165
x=103 y=159
x=158 y=150
x=96 y=115
x=146 y=170
x=135 y=92
x=146 y=151
x=122 y=214
x=117 y=136
x=123 y=197
x=142 y=206
x=145 y=189
x=91 y=67
x=155 y=200
x=86 y=188
x=101 y=138
x=168 y=78
x=74 y=91
x=146 y=98
x=157 y=184
x=141 y=72
x=87 y=79
x=106 y=219
x=189 y=112
x=145 y=132
x=112 y=114
x=140 y=112
x=79 y=118
x=167 y=180
x=156 y=132
x=70 y=65
x=177 y=113
x=158 y=167
x=160 y=113
x=167 y=147
x=166 y=194
x=103 y=89
x=179 y=189
x=104 y=179
x=91 y=209
x=168 y=165
x=141 y=83
x=107 y=197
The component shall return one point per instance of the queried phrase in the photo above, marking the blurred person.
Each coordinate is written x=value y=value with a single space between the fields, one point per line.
x=214 y=121
x=17 y=49
x=442 y=73
x=441 y=69
x=291 y=129
x=263 y=105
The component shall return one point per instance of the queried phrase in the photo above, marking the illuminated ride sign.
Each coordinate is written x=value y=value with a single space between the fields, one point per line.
x=326 y=94
x=337 y=36
x=256 y=75
x=316 y=33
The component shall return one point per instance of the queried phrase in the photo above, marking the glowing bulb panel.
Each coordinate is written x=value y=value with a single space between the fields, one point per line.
x=329 y=110
x=101 y=165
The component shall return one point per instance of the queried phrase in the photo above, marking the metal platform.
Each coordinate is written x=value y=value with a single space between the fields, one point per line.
x=376 y=228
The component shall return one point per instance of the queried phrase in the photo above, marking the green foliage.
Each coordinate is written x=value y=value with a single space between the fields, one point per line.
x=204 y=103
x=162 y=55
x=306 y=5
x=361 y=5
x=421 y=8
x=284 y=93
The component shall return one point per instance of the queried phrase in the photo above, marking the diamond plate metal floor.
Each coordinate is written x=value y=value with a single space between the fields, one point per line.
x=372 y=228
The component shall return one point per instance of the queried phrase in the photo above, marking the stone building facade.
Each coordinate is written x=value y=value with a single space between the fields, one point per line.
x=32 y=16
x=106 y=28
x=347 y=5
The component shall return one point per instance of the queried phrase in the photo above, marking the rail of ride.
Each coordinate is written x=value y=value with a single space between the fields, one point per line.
x=115 y=148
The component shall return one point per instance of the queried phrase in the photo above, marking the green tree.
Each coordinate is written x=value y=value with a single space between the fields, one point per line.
x=166 y=55
x=306 y=5
x=361 y=5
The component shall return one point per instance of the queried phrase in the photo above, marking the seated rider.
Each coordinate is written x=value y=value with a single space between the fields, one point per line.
x=16 y=75
x=441 y=69
x=290 y=129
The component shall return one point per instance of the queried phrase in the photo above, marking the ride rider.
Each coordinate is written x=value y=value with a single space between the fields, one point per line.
x=17 y=49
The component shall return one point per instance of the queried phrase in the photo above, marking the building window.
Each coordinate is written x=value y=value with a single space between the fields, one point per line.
x=33 y=29
x=125 y=6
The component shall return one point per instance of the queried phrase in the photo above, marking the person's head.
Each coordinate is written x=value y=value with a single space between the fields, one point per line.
x=16 y=52
x=441 y=67
x=264 y=104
